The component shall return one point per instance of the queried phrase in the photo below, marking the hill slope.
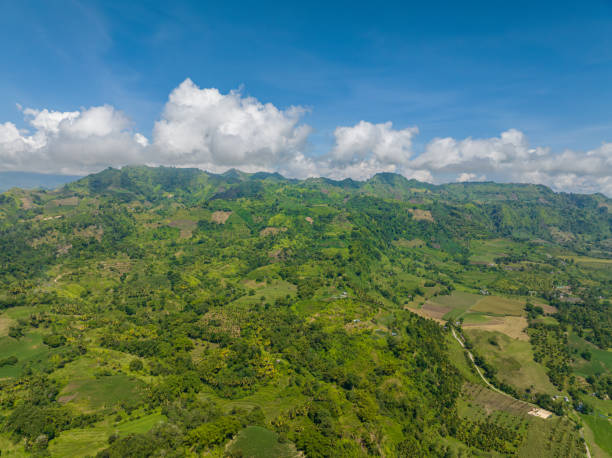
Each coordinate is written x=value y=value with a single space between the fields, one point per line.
x=150 y=309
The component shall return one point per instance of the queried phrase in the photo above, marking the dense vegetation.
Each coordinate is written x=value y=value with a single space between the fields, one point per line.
x=173 y=312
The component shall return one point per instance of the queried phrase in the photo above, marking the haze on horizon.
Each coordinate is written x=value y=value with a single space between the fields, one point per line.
x=480 y=92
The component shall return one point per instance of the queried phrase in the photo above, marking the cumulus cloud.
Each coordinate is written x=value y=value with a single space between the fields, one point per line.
x=70 y=142
x=379 y=142
x=364 y=149
x=207 y=129
x=464 y=177
x=201 y=127
x=510 y=157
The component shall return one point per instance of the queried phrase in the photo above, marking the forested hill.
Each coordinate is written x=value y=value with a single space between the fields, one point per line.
x=473 y=209
x=175 y=312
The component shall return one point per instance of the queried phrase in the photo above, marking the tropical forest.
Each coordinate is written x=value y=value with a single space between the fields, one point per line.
x=172 y=312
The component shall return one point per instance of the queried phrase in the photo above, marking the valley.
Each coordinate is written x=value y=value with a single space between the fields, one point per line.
x=175 y=311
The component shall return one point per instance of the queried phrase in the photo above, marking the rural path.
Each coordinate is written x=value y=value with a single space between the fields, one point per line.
x=586 y=446
x=535 y=411
x=474 y=363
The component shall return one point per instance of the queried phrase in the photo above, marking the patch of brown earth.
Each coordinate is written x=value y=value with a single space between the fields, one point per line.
x=220 y=217
x=421 y=215
x=435 y=310
x=512 y=326
x=186 y=226
x=26 y=203
x=271 y=231
x=64 y=249
x=548 y=309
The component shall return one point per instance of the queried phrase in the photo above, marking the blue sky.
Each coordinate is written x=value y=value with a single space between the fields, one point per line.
x=452 y=69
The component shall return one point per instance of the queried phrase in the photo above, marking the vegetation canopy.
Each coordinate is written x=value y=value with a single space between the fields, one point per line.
x=175 y=312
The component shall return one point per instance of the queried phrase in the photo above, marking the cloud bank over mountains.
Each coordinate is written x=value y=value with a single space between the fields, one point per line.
x=207 y=129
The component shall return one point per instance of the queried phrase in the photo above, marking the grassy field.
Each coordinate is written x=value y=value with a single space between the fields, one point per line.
x=497 y=305
x=140 y=425
x=460 y=303
x=10 y=316
x=601 y=360
x=458 y=358
x=602 y=431
x=90 y=394
x=493 y=313
x=492 y=401
x=5 y=324
x=88 y=441
x=79 y=442
x=485 y=251
x=8 y=448
x=513 y=360
x=276 y=289
x=29 y=351
x=258 y=442
x=459 y=300
x=512 y=326
x=603 y=263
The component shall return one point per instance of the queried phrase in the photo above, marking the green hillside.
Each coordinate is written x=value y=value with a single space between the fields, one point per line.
x=175 y=312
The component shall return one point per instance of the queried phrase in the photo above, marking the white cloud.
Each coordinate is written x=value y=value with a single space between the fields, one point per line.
x=70 y=142
x=466 y=177
x=204 y=128
x=509 y=157
x=491 y=153
x=378 y=142
x=364 y=149
x=214 y=131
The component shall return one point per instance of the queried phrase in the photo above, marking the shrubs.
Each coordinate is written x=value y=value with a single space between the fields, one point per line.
x=10 y=361
x=136 y=365
x=54 y=340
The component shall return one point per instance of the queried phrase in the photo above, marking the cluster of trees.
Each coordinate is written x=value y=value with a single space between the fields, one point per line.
x=37 y=417
x=205 y=313
x=489 y=436
x=550 y=347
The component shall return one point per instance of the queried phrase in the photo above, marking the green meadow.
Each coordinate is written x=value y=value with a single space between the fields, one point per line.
x=29 y=350
x=258 y=442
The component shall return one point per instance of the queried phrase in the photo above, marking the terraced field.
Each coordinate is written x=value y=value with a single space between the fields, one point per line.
x=552 y=437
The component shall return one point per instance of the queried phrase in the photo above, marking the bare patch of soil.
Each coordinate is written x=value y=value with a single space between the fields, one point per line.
x=220 y=217
x=421 y=215
x=271 y=231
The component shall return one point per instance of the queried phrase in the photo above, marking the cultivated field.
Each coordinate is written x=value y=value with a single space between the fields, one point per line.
x=493 y=313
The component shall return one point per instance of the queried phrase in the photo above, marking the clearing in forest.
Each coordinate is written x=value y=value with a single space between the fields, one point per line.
x=513 y=360
x=258 y=442
x=186 y=226
x=498 y=305
x=421 y=215
x=512 y=326
x=220 y=217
